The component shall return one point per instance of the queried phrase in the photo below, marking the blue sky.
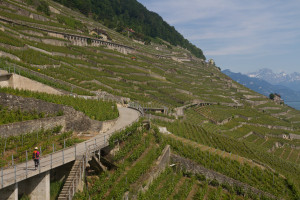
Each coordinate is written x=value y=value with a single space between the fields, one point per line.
x=242 y=36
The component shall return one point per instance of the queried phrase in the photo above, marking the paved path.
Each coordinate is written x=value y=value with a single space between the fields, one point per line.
x=26 y=170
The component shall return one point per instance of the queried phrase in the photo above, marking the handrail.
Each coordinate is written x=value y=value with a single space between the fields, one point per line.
x=75 y=181
x=23 y=171
x=136 y=106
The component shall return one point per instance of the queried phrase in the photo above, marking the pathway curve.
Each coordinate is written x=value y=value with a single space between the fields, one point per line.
x=26 y=170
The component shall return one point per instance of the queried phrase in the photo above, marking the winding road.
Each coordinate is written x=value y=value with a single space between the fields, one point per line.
x=26 y=170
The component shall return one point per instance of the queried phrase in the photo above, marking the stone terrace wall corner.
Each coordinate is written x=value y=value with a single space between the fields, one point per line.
x=18 y=128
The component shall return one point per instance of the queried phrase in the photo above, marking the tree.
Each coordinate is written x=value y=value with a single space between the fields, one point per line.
x=272 y=96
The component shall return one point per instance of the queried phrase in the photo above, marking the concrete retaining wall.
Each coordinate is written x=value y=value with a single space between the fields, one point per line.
x=20 y=82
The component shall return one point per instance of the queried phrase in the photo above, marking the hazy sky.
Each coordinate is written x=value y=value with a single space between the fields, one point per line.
x=243 y=36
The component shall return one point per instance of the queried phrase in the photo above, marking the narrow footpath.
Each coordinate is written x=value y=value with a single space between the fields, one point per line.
x=25 y=170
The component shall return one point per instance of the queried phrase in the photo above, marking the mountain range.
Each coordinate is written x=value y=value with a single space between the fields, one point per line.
x=291 y=81
x=259 y=82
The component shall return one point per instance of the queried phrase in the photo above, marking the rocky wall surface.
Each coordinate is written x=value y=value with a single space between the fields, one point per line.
x=29 y=104
x=18 y=128
x=193 y=167
x=160 y=165
x=71 y=119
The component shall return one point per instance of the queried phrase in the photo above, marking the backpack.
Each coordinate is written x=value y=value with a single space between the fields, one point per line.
x=35 y=155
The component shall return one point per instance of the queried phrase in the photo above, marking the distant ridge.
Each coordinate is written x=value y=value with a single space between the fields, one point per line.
x=263 y=87
x=291 y=81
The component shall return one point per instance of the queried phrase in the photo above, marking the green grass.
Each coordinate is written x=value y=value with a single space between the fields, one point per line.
x=55 y=189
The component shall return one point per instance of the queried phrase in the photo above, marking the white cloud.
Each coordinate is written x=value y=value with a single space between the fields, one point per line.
x=247 y=29
x=237 y=23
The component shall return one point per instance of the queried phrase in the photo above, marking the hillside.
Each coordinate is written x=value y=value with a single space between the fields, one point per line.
x=125 y=14
x=214 y=121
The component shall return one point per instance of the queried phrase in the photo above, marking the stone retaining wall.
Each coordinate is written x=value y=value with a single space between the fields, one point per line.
x=268 y=126
x=8 y=55
x=71 y=120
x=147 y=116
x=160 y=165
x=29 y=104
x=24 y=127
x=193 y=167
x=106 y=125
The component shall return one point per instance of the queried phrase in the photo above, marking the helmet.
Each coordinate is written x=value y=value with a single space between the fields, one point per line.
x=36 y=148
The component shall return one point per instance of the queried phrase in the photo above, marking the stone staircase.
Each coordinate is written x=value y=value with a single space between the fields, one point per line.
x=74 y=180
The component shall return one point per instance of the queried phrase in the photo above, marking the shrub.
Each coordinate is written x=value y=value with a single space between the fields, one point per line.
x=44 y=7
x=214 y=182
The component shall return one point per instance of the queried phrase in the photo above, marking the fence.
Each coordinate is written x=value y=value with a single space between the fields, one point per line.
x=22 y=171
x=14 y=69
x=75 y=176
x=137 y=107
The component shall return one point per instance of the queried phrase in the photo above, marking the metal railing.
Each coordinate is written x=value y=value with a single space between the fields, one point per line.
x=22 y=171
x=137 y=107
x=77 y=177
x=77 y=174
x=10 y=70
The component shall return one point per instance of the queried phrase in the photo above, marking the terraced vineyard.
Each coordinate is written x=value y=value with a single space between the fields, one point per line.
x=234 y=127
x=133 y=161
x=137 y=157
x=258 y=177
x=14 y=149
x=172 y=185
x=95 y=109
x=10 y=116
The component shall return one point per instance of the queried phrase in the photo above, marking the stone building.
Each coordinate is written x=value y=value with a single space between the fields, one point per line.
x=101 y=34
x=277 y=99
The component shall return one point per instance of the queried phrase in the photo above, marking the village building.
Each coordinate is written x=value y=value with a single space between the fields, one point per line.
x=277 y=99
x=101 y=34
x=211 y=62
x=129 y=31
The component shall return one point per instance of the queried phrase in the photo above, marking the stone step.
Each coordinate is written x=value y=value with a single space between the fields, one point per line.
x=69 y=181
